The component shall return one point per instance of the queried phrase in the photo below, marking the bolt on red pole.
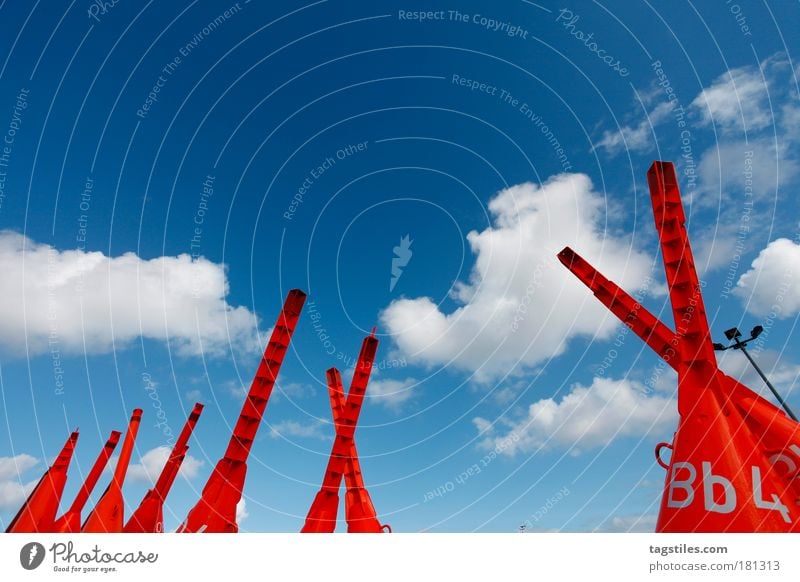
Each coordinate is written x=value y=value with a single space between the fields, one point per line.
x=149 y=516
x=70 y=522
x=107 y=516
x=38 y=513
x=215 y=512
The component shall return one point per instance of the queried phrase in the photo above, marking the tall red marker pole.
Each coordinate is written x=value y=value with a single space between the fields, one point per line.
x=70 y=522
x=38 y=513
x=216 y=510
x=149 y=516
x=107 y=516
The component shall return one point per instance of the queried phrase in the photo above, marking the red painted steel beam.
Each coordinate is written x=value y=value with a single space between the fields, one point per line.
x=321 y=516
x=149 y=516
x=70 y=522
x=360 y=512
x=685 y=292
x=38 y=513
x=215 y=512
x=735 y=457
x=647 y=326
x=108 y=515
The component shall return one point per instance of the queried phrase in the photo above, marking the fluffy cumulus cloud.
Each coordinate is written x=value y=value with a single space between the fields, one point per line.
x=771 y=287
x=149 y=468
x=87 y=301
x=392 y=394
x=782 y=373
x=635 y=138
x=586 y=417
x=739 y=98
x=13 y=488
x=520 y=305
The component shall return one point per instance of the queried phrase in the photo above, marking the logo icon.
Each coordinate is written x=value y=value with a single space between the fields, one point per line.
x=31 y=555
x=402 y=255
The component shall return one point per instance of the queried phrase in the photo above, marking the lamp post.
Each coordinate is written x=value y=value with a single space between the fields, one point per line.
x=735 y=335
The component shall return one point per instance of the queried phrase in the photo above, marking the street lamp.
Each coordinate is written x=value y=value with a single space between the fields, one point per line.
x=735 y=335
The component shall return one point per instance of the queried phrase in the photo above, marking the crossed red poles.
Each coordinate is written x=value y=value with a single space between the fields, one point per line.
x=343 y=461
x=735 y=463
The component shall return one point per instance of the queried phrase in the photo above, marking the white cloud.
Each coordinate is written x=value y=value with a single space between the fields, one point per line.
x=772 y=284
x=92 y=302
x=290 y=428
x=391 y=393
x=639 y=138
x=13 y=491
x=153 y=461
x=587 y=417
x=737 y=100
x=193 y=395
x=521 y=306
x=783 y=374
x=755 y=168
x=241 y=511
x=630 y=524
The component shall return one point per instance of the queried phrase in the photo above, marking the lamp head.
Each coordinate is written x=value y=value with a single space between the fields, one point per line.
x=733 y=333
x=757 y=330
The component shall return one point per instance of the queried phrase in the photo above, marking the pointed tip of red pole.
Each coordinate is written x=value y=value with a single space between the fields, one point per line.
x=374 y=327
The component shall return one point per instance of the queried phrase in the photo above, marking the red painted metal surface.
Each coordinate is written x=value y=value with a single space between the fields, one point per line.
x=38 y=513
x=108 y=515
x=149 y=516
x=359 y=512
x=321 y=516
x=735 y=456
x=70 y=522
x=215 y=512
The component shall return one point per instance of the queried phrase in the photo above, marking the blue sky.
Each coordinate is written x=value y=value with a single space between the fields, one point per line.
x=175 y=168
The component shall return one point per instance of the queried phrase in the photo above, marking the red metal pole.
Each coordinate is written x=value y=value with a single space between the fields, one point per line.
x=736 y=457
x=215 y=512
x=70 y=522
x=647 y=326
x=108 y=515
x=359 y=511
x=38 y=513
x=149 y=516
x=321 y=516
